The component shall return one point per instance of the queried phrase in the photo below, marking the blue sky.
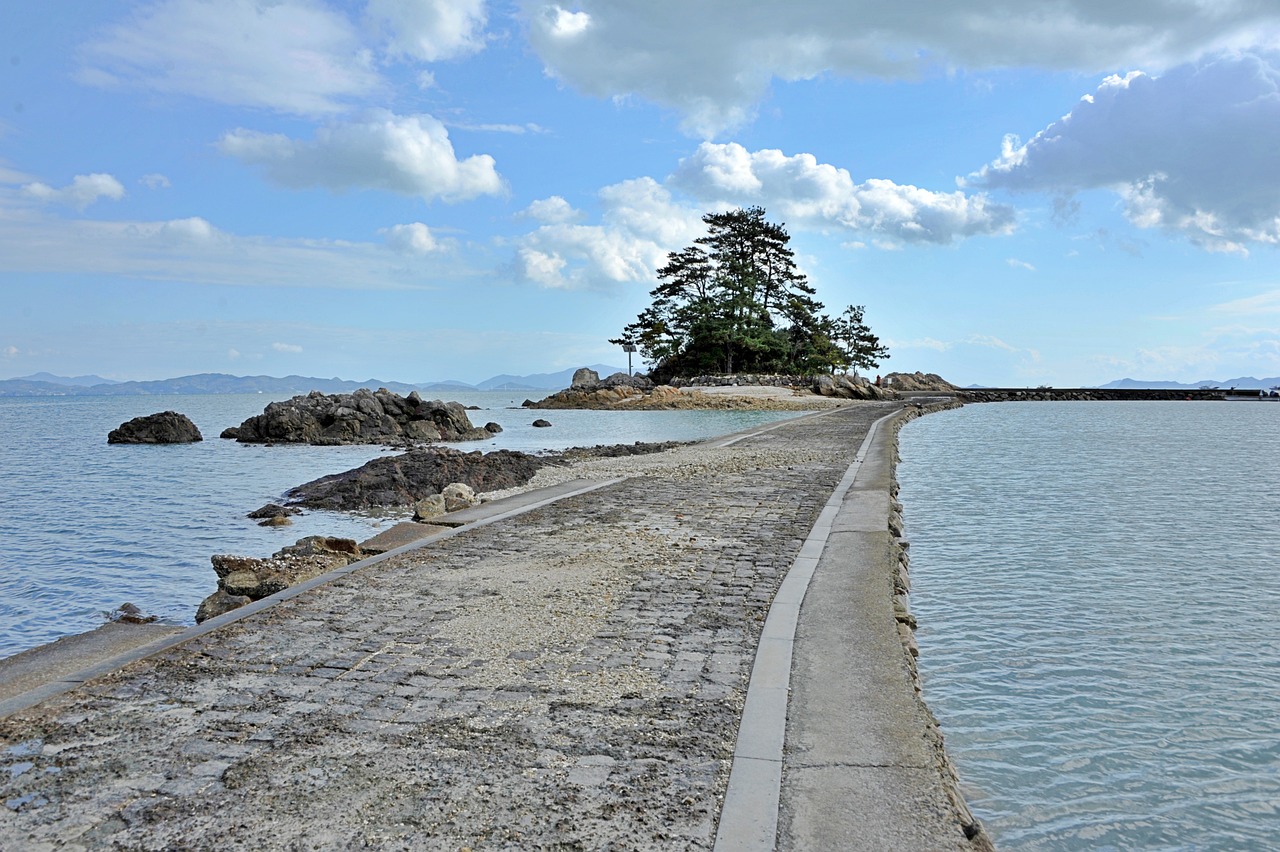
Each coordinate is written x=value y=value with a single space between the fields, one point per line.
x=1021 y=193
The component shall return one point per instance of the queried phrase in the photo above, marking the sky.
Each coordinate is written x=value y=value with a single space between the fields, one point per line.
x=1020 y=194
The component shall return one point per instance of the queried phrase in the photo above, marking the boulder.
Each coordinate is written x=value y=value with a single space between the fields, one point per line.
x=361 y=417
x=458 y=496
x=492 y=428
x=541 y=424
x=429 y=507
x=219 y=603
x=167 y=427
x=584 y=378
x=276 y=521
x=405 y=479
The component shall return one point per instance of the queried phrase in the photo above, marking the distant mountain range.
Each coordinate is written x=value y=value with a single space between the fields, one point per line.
x=47 y=384
x=1241 y=382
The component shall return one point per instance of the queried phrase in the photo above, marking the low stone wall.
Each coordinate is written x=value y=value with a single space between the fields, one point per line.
x=745 y=380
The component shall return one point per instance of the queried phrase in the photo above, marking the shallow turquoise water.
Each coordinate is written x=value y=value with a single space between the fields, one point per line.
x=1098 y=592
x=86 y=526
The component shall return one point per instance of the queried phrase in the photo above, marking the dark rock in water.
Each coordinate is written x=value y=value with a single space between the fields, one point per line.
x=541 y=424
x=230 y=433
x=405 y=479
x=362 y=417
x=273 y=510
x=167 y=427
x=276 y=521
x=492 y=428
x=128 y=613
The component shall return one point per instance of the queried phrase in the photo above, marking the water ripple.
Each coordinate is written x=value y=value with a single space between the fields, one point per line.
x=1100 y=617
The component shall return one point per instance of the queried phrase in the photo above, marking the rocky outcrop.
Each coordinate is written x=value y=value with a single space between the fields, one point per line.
x=242 y=579
x=849 y=386
x=918 y=381
x=362 y=417
x=405 y=479
x=167 y=427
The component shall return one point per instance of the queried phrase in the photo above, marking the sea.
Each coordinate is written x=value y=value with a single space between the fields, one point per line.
x=1097 y=586
x=86 y=526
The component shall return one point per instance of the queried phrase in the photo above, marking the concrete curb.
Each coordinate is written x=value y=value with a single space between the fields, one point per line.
x=749 y=817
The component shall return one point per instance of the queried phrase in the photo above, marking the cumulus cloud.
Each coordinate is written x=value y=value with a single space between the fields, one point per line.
x=155 y=181
x=429 y=30
x=640 y=225
x=816 y=195
x=294 y=56
x=1192 y=151
x=80 y=193
x=409 y=155
x=413 y=238
x=714 y=60
x=291 y=348
x=553 y=210
x=9 y=352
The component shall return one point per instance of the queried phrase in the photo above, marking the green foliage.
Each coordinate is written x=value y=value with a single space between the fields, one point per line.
x=734 y=301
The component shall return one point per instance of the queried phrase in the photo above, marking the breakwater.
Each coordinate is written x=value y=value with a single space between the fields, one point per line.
x=1100 y=394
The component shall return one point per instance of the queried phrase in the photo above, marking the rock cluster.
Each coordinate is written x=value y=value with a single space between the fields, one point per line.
x=167 y=427
x=918 y=381
x=242 y=579
x=405 y=479
x=849 y=386
x=362 y=417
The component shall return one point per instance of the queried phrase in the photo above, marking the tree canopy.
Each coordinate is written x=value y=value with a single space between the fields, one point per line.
x=734 y=301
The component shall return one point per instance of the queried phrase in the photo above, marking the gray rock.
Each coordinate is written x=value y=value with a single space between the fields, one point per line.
x=429 y=507
x=361 y=417
x=219 y=603
x=405 y=479
x=541 y=424
x=585 y=378
x=167 y=427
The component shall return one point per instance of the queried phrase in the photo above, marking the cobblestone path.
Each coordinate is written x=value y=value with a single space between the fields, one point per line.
x=570 y=678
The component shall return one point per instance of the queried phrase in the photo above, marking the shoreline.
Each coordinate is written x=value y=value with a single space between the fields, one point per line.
x=678 y=472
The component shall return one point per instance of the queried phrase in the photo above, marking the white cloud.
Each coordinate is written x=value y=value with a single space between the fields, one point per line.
x=1192 y=151
x=816 y=195
x=155 y=181
x=640 y=225
x=9 y=352
x=429 y=30
x=194 y=250
x=233 y=354
x=413 y=238
x=1020 y=264
x=294 y=56
x=80 y=193
x=410 y=155
x=291 y=348
x=713 y=60
x=553 y=210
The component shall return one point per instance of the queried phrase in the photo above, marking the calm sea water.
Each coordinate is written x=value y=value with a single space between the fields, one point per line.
x=86 y=526
x=1098 y=591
